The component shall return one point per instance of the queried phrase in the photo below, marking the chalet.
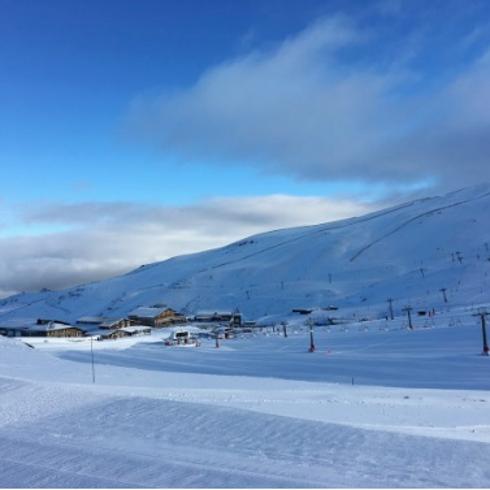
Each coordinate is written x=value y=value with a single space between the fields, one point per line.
x=43 y=328
x=126 y=332
x=60 y=330
x=43 y=321
x=54 y=328
x=154 y=316
x=97 y=325
x=10 y=331
x=115 y=323
x=210 y=317
x=232 y=317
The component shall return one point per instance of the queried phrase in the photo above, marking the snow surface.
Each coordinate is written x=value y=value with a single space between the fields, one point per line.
x=376 y=405
x=260 y=411
x=408 y=252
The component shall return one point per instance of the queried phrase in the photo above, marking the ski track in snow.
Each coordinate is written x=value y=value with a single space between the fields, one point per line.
x=143 y=424
x=261 y=411
x=139 y=441
x=331 y=263
x=411 y=220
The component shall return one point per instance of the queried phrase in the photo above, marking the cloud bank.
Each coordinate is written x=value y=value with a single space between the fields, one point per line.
x=100 y=239
x=332 y=103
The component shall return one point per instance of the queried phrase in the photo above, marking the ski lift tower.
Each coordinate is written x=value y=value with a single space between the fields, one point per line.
x=390 y=306
x=408 y=310
x=483 y=314
x=312 y=348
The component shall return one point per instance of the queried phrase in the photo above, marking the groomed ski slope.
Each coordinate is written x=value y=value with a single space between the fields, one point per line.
x=260 y=411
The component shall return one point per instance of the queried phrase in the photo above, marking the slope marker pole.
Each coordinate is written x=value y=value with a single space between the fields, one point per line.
x=92 y=357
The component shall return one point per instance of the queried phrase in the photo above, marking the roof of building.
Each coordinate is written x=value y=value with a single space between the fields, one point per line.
x=126 y=330
x=148 y=311
x=111 y=321
x=43 y=321
x=95 y=331
x=135 y=329
x=50 y=327
x=61 y=326
x=112 y=333
x=213 y=313
x=91 y=319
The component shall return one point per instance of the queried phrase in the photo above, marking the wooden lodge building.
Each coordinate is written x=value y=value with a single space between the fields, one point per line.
x=115 y=323
x=90 y=321
x=234 y=318
x=125 y=332
x=155 y=316
x=103 y=322
x=43 y=328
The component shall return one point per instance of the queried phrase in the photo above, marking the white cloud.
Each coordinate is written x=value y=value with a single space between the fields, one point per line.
x=104 y=239
x=301 y=109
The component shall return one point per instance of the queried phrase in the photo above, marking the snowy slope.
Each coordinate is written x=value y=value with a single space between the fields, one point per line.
x=407 y=252
x=269 y=415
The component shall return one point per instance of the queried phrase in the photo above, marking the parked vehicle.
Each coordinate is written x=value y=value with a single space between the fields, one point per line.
x=182 y=338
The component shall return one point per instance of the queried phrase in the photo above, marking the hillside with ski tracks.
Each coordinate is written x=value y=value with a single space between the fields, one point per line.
x=408 y=252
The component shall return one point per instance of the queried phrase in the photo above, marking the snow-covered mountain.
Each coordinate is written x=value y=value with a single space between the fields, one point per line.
x=407 y=252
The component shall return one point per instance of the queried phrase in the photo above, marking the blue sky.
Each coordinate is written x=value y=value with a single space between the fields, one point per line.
x=71 y=68
x=182 y=104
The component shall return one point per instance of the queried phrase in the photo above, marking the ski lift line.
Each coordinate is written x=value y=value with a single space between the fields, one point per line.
x=309 y=234
x=352 y=222
x=47 y=301
x=306 y=235
x=22 y=306
x=411 y=220
x=64 y=310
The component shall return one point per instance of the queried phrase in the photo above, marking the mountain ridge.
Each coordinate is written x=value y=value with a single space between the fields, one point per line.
x=407 y=251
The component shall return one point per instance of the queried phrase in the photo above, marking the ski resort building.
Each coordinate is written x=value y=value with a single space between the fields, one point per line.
x=232 y=317
x=54 y=329
x=126 y=332
x=90 y=320
x=43 y=328
x=115 y=323
x=155 y=316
